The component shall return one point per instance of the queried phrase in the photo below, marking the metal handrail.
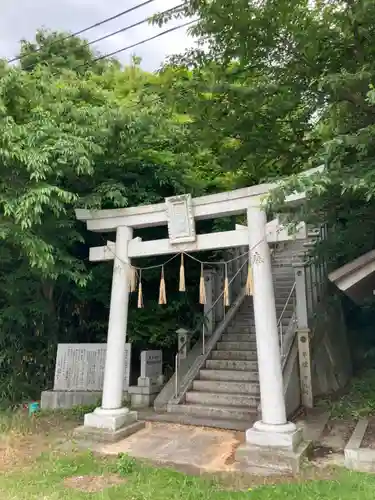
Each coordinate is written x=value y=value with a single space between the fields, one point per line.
x=279 y=322
x=213 y=305
x=286 y=303
x=202 y=325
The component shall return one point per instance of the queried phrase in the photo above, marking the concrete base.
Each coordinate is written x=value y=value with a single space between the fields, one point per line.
x=252 y=458
x=358 y=458
x=286 y=437
x=143 y=396
x=105 y=436
x=273 y=448
x=143 y=400
x=109 y=425
x=110 y=420
x=53 y=400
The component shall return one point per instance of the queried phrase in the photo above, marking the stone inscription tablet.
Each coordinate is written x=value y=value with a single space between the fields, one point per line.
x=181 y=224
x=151 y=364
x=80 y=367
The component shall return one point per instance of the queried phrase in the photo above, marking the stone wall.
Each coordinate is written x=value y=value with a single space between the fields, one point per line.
x=292 y=389
x=330 y=353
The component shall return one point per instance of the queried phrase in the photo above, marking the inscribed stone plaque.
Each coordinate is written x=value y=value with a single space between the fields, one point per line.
x=80 y=367
x=151 y=364
x=305 y=369
x=181 y=224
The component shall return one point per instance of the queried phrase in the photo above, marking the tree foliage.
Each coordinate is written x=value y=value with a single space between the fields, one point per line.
x=98 y=139
x=272 y=88
x=314 y=63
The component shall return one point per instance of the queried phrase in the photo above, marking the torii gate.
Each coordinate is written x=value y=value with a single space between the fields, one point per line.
x=180 y=214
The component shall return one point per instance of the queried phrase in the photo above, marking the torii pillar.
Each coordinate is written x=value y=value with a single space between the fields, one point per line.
x=112 y=419
x=273 y=433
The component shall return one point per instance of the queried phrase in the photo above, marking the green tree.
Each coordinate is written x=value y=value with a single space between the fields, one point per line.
x=313 y=66
x=71 y=139
x=60 y=51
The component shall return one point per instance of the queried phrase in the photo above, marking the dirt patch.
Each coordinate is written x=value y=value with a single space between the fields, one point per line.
x=20 y=451
x=242 y=481
x=336 y=434
x=93 y=484
x=241 y=438
x=369 y=437
x=26 y=438
x=318 y=452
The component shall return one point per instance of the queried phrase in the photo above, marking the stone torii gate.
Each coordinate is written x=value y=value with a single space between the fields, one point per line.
x=180 y=214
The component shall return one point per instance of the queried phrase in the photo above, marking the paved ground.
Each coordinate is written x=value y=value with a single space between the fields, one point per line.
x=201 y=449
x=196 y=448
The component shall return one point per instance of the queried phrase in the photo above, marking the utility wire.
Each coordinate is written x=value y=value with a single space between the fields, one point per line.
x=100 y=23
x=170 y=30
x=130 y=26
x=126 y=28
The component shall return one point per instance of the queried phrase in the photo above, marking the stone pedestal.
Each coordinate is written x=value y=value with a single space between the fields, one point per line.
x=262 y=460
x=278 y=448
x=110 y=420
x=109 y=425
x=285 y=436
x=53 y=400
x=144 y=393
x=150 y=382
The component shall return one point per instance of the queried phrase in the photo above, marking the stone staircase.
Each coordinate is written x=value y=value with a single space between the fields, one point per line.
x=227 y=388
x=225 y=393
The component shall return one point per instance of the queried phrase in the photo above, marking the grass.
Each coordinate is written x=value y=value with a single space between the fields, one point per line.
x=357 y=402
x=46 y=480
x=39 y=469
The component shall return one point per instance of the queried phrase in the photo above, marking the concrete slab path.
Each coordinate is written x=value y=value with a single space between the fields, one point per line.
x=188 y=447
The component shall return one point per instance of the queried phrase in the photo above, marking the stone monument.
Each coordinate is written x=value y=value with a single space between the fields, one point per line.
x=79 y=374
x=151 y=380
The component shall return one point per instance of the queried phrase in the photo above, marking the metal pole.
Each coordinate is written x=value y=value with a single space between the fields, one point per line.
x=203 y=340
x=176 y=377
x=281 y=339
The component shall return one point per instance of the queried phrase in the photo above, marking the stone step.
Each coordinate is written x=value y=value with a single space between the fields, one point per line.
x=236 y=346
x=249 y=322
x=229 y=375
x=282 y=284
x=282 y=298
x=221 y=399
x=235 y=355
x=174 y=417
x=216 y=412
x=249 y=325
x=243 y=330
x=232 y=364
x=222 y=386
x=281 y=289
x=239 y=337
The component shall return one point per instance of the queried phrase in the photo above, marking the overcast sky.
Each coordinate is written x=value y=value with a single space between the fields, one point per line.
x=21 y=18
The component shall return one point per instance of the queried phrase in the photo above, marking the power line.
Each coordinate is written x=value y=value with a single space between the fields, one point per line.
x=100 y=23
x=170 y=30
x=113 y=33
x=130 y=26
